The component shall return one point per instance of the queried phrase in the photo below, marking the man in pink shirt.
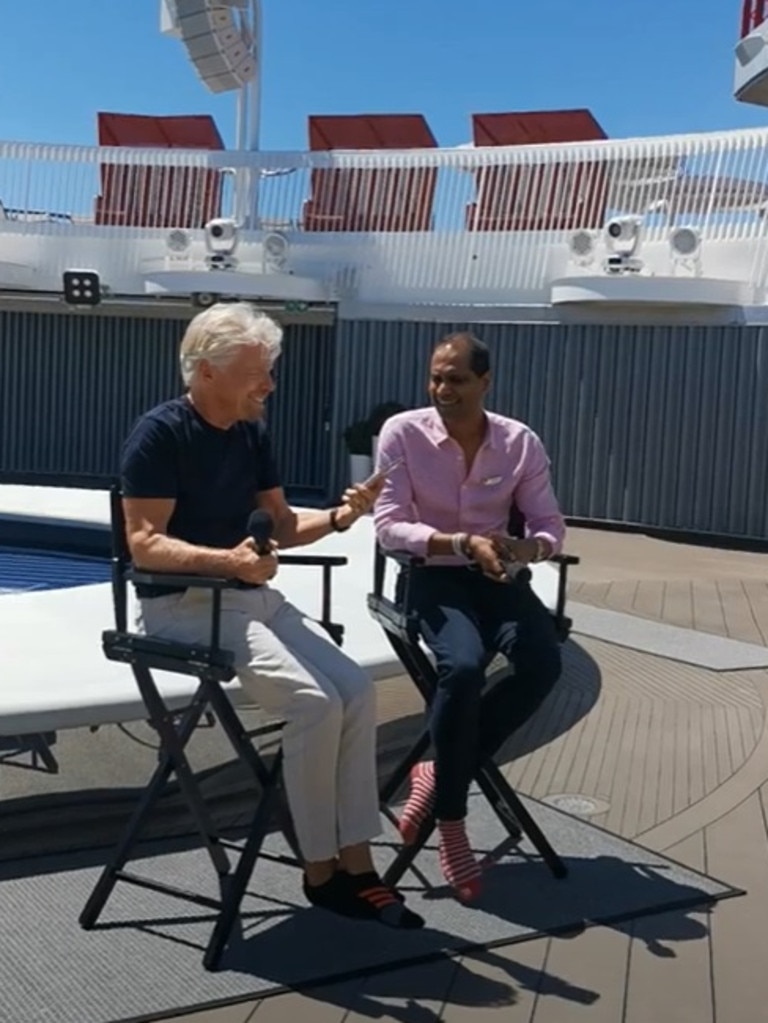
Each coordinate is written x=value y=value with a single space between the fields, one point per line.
x=449 y=502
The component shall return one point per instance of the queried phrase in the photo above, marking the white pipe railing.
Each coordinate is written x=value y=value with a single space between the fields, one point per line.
x=411 y=222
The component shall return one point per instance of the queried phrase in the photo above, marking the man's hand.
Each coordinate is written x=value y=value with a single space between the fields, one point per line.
x=483 y=551
x=356 y=501
x=252 y=567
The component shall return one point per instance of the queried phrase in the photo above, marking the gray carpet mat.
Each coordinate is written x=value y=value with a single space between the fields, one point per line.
x=143 y=961
x=702 y=649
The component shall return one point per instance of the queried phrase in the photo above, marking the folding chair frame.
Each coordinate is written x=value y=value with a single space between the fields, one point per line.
x=212 y=666
x=400 y=624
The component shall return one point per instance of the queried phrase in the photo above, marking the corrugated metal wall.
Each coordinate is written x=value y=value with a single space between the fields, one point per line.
x=71 y=385
x=661 y=426
x=664 y=427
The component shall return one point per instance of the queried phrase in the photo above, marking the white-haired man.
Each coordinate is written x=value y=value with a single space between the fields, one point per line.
x=192 y=470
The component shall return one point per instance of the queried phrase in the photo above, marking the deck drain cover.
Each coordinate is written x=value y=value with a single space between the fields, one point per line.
x=580 y=806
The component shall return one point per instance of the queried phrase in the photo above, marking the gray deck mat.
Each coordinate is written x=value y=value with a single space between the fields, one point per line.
x=144 y=960
x=702 y=649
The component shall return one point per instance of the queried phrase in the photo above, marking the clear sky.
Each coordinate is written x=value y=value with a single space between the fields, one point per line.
x=646 y=67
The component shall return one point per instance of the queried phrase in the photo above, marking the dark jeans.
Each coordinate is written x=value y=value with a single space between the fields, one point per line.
x=464 y=617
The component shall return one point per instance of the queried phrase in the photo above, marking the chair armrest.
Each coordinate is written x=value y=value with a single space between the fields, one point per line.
x=403 y=558
x=331 y=560
x=565 y=559
x=202 y=582
x=205 y=582
x=562 y=621
x=327 y=562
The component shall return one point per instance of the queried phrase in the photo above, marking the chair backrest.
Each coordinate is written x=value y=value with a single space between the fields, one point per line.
x=538 y=197
x=158 y=196
x=383 y=199
x=121 y=557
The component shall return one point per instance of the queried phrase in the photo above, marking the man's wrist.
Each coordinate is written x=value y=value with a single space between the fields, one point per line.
x=337 y=524
x=467 y=545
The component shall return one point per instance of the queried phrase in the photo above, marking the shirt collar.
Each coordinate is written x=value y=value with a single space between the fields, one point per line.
x=439 y=435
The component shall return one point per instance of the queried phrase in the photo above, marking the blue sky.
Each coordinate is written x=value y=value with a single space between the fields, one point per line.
x=644 y=68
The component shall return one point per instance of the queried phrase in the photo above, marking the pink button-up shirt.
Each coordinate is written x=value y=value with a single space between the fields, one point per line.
x=432 y=491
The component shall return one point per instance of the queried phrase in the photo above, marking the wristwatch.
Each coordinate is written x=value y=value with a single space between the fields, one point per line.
x=542 y=549
x=334 y=522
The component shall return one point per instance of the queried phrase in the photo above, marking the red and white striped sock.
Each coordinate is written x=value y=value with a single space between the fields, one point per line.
x=460 y=868
x=420 y=801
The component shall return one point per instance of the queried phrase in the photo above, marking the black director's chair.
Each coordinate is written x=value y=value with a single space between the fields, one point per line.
x=212 y=666
x=400 y=623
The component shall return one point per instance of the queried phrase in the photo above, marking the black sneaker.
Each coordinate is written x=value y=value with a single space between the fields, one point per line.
x=373 y=900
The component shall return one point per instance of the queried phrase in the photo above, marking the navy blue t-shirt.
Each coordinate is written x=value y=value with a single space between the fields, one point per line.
x=213 y=475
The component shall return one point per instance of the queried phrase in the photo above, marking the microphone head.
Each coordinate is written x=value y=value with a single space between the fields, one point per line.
x=517 y=573
x=260 y=528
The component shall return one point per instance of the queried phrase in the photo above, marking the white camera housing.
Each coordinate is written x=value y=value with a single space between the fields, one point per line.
x=622 y=235
x=221 y=236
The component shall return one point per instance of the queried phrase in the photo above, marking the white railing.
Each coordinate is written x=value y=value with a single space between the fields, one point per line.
x=460 y=226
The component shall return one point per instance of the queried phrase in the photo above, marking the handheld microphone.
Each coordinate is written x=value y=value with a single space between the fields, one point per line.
x=517 y=573
x=260 y=528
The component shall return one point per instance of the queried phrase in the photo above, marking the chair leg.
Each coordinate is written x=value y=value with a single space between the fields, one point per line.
x=406 y=855
x=110 y=874
x=243 y=746
x=235 y=885
x=508 y=807
x=164 y=723
x=403 y=769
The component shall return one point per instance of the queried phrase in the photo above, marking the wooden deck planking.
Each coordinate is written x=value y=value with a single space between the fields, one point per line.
x=621 y=594
x=497 y=984
x=678 y=603
x=737 y=610
x=756 y=593
x=708 y=613
x=417 y=992
x=649 y=598
x=737 y=851
x=594 y=966
x=669 y=974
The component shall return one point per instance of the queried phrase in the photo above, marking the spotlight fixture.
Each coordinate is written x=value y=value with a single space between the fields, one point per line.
x=81 y=287
x=275 y=248
x=582 y=245
x=178 y=241
x=222 y=237
x=685 y=242
x=622 y=240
